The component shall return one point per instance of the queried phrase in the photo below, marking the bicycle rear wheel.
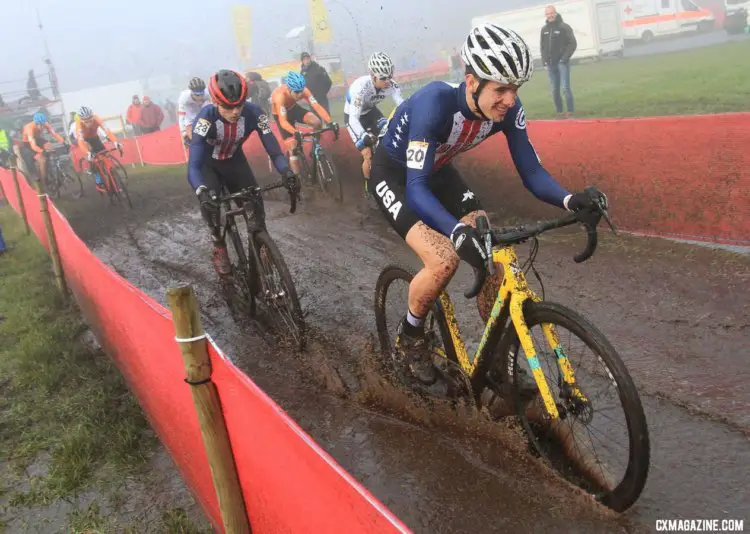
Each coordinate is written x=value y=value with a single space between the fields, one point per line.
x=276 y=291
x=586 y=417
x=328 y=177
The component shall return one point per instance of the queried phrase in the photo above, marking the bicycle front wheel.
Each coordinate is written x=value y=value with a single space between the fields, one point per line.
x=276 y=291
x=119 y=188
x=73 y=179
x=237 y=288
x=328 y=178
x=600 y=441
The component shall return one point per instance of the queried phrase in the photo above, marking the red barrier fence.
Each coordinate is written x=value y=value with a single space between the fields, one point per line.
x=684 y=176
x=289 y=484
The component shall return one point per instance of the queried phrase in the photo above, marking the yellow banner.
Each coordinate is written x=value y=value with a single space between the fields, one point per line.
x=319 y=21
x=276 y=72
x=242 y=22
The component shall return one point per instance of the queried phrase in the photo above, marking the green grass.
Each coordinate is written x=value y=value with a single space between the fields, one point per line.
x=58 y=396
x=713 y=79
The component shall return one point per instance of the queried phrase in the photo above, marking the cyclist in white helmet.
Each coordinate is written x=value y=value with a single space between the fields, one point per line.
x=191 y=101
x=422 y=194
x=361 y=113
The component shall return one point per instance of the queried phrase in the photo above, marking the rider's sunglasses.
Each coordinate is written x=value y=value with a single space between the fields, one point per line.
x=198 y=95
x=384 y=78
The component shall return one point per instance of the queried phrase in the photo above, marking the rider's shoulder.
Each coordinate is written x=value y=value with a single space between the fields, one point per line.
x=209 y=112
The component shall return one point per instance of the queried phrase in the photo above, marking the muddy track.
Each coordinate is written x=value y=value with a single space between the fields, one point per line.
x=677 y=314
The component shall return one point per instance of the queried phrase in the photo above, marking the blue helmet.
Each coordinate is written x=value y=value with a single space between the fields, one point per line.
x=40 y=118
x=295 y=81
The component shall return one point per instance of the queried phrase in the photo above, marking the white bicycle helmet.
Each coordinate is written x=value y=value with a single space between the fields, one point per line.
x=380 y=65
x=498 y=54
x=85 y=113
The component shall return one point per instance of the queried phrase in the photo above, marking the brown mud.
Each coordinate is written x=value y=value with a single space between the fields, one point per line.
x=677 y=314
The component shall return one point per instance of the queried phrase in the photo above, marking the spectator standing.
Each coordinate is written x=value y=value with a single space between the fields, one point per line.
x=260 y=91
x=317 y=80
x=558 y=43
x=171 y=110
x=151 y=116
x=133 y=116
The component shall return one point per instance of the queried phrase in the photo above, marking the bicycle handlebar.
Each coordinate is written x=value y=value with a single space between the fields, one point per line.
x=249 y=192
x=318 y=132
x=505 y=237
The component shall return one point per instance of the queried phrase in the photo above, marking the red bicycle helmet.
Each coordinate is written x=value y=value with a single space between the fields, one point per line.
x=228 y=88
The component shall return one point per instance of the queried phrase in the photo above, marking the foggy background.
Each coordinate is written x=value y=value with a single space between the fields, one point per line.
x=94 y=43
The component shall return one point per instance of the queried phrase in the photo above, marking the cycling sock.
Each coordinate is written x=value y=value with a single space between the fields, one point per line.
x=413 y=326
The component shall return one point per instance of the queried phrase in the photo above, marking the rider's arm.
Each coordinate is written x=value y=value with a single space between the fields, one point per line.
x=182 y=115
x=267 y=138
x=535 y=177
x=355 y=110
x=320 y=110
x=420 y=156
x=54 y=134
x=107 y=131
x=198 y=149
x=278 y=103
x=32 y=143
x=82 y=144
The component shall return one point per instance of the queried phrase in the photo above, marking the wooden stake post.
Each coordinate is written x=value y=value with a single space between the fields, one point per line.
x=21 y=207
x=54 y=252
x=191 y=339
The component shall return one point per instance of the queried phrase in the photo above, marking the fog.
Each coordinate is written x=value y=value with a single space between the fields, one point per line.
x=93 y=42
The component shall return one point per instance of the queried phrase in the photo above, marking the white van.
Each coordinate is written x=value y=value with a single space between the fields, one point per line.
x=646 y=19
x=596 y=25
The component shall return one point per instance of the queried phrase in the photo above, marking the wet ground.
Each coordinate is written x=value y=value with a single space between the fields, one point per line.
x=677 y=314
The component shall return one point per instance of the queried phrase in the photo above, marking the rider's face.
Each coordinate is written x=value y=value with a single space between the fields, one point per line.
x=381 y=84
x=296 y=95
x=495 y=99
x=230 y=114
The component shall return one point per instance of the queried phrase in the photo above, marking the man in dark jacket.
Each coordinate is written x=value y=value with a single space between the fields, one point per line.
x=259 y=91
x=317 y=79
x=558 y=44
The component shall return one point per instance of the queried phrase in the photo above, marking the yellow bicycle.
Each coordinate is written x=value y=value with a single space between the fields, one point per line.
x=528 y=360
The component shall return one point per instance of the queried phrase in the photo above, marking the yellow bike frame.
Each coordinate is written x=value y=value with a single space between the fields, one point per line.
x=514 y=292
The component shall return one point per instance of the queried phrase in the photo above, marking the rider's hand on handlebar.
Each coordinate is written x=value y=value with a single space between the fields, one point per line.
x=587 y=200
x=291 y=182
x=207 y=198
x=469 y=247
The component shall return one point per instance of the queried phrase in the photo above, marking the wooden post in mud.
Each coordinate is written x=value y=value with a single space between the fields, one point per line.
x=192 y=341
x=54 y=252
x=21 y=207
